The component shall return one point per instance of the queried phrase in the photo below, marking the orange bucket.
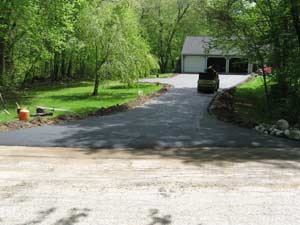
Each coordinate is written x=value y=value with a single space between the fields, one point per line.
x=24 y=115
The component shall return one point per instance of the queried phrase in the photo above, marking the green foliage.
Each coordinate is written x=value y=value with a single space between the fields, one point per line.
x=56 y=40
x=166 y=23
x=62 y=40
x=269 y=33
x=250 y=102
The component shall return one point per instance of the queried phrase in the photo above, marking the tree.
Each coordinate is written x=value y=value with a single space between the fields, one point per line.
x=268 y=32
x=112 y=30
x=166 y=24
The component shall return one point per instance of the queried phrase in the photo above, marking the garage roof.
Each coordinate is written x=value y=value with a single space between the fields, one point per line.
x=203 y=46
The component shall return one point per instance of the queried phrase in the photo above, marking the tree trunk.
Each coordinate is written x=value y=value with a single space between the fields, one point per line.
x=46 y=69
x=160 y=41
x=2 y=59
x=4 y=21
x=70 y=67
x=296 y=20
x=162 y=67
x=63 y=65
x=262 y=62
x=97 y=78
x=82 y=67
x=55 y=67
x=277 y=56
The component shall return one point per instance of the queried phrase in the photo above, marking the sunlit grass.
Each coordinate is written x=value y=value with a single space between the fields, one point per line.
x=75 y=97
x=251 y=101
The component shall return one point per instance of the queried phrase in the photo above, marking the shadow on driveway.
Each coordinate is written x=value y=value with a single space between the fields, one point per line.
x=177 y=119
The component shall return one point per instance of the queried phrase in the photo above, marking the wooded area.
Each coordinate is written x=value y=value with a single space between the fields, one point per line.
x=54 y=40
x=268 y=31
x=58 y=40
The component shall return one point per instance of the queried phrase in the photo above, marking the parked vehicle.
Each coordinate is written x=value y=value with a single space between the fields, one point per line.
x=208 y=81
x=267 y=70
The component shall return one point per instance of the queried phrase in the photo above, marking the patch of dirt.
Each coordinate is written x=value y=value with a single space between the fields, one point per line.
x=223 y=107
x=42 y=121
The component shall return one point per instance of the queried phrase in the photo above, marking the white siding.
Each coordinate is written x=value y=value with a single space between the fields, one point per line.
x=194 y=64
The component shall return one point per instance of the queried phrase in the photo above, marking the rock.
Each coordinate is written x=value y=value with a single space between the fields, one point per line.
x=260 y=128
x=287 y=132
x=294 y=134
x=282 y=124
x=257 y=128
x=279 y=133
x=273 y=131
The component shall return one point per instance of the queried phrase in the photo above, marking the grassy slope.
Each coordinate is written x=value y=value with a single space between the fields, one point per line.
x=250 y=101
x=75 y=97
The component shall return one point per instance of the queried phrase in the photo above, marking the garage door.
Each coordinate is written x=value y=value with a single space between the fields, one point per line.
x=238 y=65
x=218 y=63
x=193 y=64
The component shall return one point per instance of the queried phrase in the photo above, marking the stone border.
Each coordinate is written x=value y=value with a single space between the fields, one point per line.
x=42 y=121
x=222 y=107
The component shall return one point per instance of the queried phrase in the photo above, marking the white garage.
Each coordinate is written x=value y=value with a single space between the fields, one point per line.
x=199 y=53
x=194 y=64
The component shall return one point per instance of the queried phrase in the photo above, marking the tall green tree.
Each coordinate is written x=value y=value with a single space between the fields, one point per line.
x=166 y=24
x=268 y=32
x=111 y=31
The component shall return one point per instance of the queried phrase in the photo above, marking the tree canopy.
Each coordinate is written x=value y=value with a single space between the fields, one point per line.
x=84 y=39
x=268 y=31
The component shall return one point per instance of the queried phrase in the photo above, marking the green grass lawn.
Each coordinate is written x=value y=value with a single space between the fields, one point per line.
x=75 y=97
x=161 y=75
x=250 y=101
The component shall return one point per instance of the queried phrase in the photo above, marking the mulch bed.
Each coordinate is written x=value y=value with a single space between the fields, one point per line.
x=42 y=121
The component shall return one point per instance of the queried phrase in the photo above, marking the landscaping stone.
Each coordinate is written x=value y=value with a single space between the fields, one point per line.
x=223 y=108
x=282 y=124
x=294 y=134
x=287 y=132
x=290 y=133
x=279 y=133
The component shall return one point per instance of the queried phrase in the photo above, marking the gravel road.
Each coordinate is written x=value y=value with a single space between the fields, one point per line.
x=187 y=187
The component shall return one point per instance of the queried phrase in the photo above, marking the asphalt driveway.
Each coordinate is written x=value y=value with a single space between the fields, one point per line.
x=176 y=119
